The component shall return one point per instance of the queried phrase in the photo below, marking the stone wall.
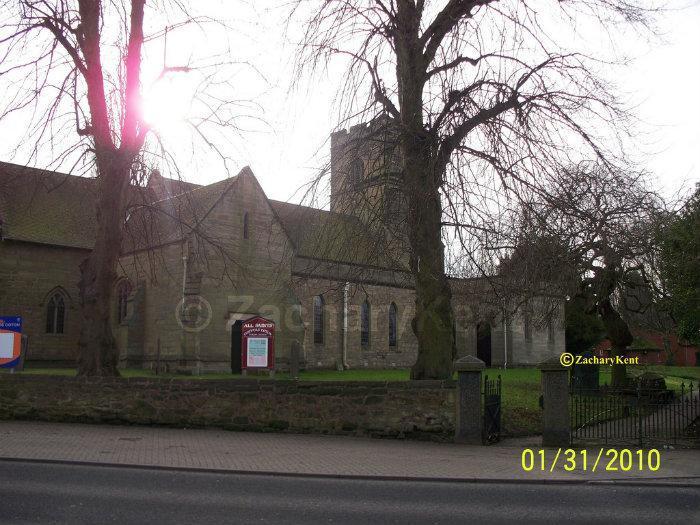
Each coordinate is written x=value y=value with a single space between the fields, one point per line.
x=378 y=353
x=150 y=333
x=228 y=278
x=527 y=345
x=411 y=409
x=29 y=275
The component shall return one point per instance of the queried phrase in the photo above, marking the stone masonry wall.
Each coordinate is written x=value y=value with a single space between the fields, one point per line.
x=29 y=275
x=411 y=409
x=378 y=353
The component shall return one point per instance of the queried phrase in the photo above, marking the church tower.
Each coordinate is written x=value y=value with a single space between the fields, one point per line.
x=366 y=176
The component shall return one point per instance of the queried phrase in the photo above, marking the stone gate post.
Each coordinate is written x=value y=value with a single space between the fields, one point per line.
x=469 y=422
x=555 y=400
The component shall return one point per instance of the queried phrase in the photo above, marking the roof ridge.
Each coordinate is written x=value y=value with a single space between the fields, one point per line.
x=329 y=212
x=169 y=180
x=38 y=171
x=197 y=188
x=189 y=209
x=178 y=180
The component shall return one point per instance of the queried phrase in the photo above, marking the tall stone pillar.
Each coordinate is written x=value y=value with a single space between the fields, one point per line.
x=469 y=422
x=555 y=400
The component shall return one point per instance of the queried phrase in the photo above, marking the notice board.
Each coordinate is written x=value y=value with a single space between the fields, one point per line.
x=10 y=341
x=258 y=344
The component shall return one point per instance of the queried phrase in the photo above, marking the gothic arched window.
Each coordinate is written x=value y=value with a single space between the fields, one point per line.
x=550 y=331
x=246 y=226
x=527 y=326
x=318 y=319
x=393 y=204
x=123 y=291
x=357 y=170
x=392 y=324
x=364 y=323
x=55 y=314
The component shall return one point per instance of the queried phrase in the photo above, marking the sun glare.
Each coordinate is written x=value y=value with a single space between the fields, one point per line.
x=168 y=102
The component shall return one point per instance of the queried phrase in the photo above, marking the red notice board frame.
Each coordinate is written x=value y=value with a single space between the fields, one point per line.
x=252 y=332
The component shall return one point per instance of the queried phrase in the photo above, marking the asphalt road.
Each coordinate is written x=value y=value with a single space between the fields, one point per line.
x=59 y=493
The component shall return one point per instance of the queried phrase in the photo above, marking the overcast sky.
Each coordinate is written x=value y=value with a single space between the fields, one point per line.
x=665 y=80
x=663 y=83
x=288 y=143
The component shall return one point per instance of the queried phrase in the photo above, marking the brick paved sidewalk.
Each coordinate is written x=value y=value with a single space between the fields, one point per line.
x=301 y=454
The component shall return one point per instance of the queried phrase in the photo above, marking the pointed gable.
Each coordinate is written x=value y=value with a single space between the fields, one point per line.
x=174 y=218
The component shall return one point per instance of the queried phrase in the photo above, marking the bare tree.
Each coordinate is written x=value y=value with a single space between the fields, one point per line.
x=77 y=66
x=600 y=226
x=486 y=99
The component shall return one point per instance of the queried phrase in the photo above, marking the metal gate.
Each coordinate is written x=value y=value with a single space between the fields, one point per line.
x=640 y=416
x=492 y=410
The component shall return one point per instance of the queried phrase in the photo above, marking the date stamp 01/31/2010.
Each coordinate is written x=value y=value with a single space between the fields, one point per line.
x=609 y=460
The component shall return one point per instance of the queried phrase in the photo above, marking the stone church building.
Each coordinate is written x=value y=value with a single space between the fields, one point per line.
x=198 y=260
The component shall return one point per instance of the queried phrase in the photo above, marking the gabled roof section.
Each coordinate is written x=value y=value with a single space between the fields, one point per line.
x=174 y=218
x=46 y=207
x=58 y=209
x=49 y=207
x=334 y=237
x=163 y=187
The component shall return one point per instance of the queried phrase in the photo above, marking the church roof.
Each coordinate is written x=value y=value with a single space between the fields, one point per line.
x=166 y=187
x=46 y=207
x=49 y=207
x=58 y=209
x=173 y=218
x=324 y=235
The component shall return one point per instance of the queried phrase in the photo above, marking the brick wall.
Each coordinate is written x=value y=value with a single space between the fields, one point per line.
x=411 y=409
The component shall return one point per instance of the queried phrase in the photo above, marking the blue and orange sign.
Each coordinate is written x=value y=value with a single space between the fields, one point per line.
x=10 y=341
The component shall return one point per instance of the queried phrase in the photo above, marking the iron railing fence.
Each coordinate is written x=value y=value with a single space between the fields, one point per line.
x=492 y=410
x=640 y=416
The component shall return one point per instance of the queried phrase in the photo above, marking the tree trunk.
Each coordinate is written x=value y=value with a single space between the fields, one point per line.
x=433 y=321
x=620 y=338
x=98 y=354
x=618 y=374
